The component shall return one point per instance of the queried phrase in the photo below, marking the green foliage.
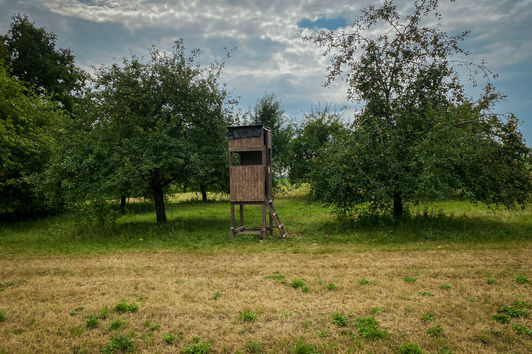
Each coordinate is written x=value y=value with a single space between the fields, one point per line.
x=409 y=348
x=268 y=112
x=331 y=286
x=501 y=318
x=339 y=319
x=409 y=279
x=28 y=138
x=369 y=328
x=76 y=311
x=318 y=128
x=169 y=338
x=364 y=281
x=105 y=313
x=33 y=58
x=435 y=331
x=429 y=317
x=278 y=277
x=116 y=324
x=140 y=129
x=376 y=310
x=2 y=316
x=521 y=279
x=513 y=311
x=521 y=329
x=92 y=321
x=492 y=281
x=248 y=316
x=305 y=289
x=122 y=343
x=445 y=286
x=76 y=331
x=522 y=304
x=297 y=283
x=217 y=295
x=417 y=136
x=123 y=306
x=303 y=348
x=198 y=348
x=254 y=347
x=426 y=293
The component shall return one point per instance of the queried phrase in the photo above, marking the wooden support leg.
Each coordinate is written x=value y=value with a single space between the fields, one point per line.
x=232 y=221
x=241 y=215
x=263 y=221
x=271 y=221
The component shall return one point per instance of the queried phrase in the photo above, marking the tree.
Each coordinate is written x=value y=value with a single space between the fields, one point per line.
x=30 y=53
x=28 y=127
x=417 y=135
x=138 y=132
x=268 y=112
x=318 y=129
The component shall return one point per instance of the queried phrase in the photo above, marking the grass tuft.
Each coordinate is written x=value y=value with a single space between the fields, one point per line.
x=339 y=319
x=122 y=343
x=297 y=283
x=92 y=321
x=123 y=306
x=169 y=338
x=409 y=348
x=409 y=279
x=513 y=311
x=254 y=347
x=278 y=277
x=445 y=286
x=501 y=318
x=248 y=316
x=521 y=279
x=364 y=281
x=198 y=348
x=435 y=331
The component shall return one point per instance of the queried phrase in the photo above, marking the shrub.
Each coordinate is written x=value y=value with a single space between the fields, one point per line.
x=369 y=328
x=248 y=316
x=409 y=348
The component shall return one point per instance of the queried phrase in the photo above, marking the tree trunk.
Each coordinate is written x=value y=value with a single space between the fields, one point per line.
x=122 y=203
x=158 y=198
x=397 y=206
x=203 y=190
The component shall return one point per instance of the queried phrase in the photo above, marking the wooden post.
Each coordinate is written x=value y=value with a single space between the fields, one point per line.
x=264 y=221
x=241 y=214
x=232 y=221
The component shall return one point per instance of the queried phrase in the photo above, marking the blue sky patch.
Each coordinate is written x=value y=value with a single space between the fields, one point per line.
x=328 y=23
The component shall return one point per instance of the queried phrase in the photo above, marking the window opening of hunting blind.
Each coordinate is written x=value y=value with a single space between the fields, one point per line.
x=246 y=158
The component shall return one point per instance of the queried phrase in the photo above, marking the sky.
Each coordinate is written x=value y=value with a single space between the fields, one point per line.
x=268 y=54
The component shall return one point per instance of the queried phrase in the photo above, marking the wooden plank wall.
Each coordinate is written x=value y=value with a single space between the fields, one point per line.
x=247 y=183
x=246 y=144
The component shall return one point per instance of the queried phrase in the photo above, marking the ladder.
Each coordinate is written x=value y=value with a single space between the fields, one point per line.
x=275 y=216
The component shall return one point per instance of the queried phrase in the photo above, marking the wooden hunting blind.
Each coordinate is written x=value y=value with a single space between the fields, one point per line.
x=250 y=176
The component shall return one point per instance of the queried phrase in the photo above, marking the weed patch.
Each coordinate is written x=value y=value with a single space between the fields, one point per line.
x=331 y=286
x=123 y=306
x=369 y=328
x=429 y=317
x=521 y=329
x=198 y=348
x=426 y=293
x=409 y=279
x=521 y=279
x=254 y=347
x=409 y=348
x=501 y=318
x=2 y=316
x=513 y=311
x=217 y=295
x=297 y=283
x=92 y=321
x=248 y=316
x=339 y=319
x=105 y=313
x=305 y=289
x=169 y=338
x=435 y=331
x=445 y=286
x=364 y=281
x=278 y=277
x=120 y=343
x=303 y=348
x=116 y=325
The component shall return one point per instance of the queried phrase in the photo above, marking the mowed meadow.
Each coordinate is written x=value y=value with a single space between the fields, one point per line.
x=452 y=277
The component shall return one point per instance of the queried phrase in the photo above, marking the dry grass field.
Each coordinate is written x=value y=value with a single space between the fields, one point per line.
x=47 y=301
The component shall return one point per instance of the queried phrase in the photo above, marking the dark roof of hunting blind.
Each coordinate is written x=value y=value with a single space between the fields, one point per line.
x=245 y=131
